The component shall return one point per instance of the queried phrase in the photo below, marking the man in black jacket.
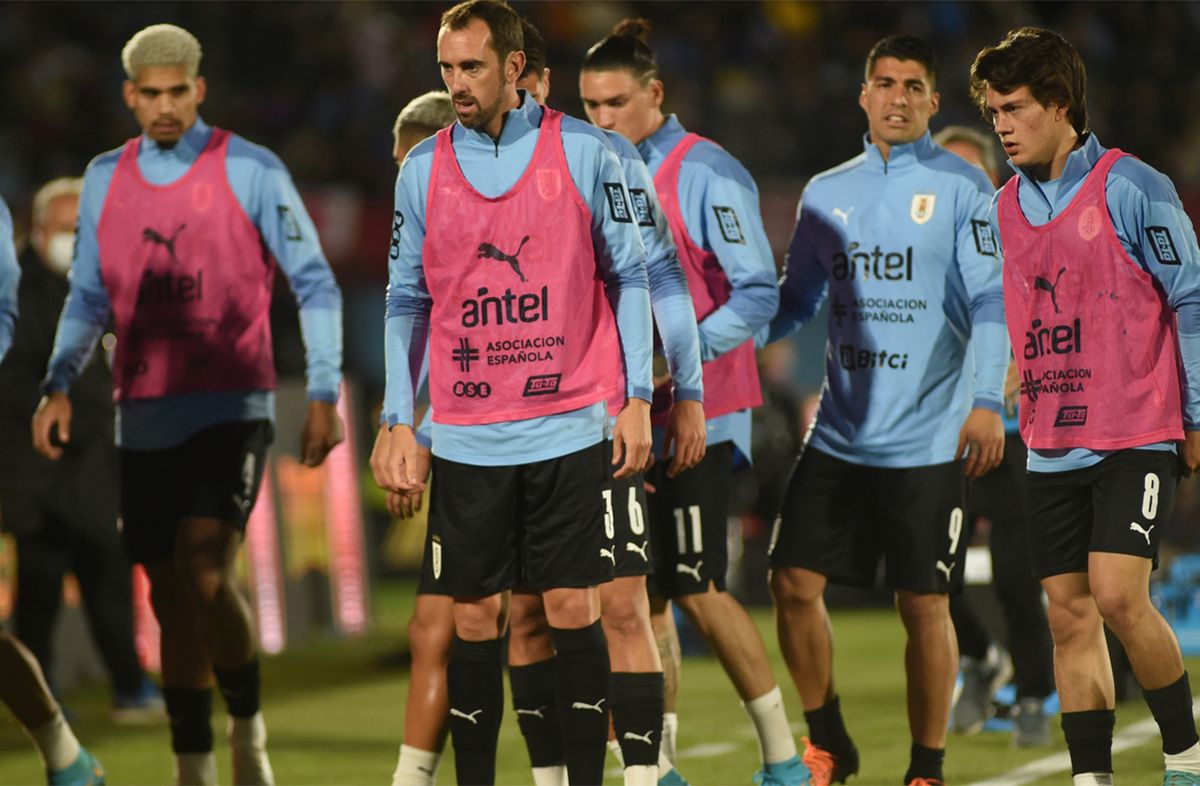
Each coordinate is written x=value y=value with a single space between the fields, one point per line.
x=63 y=514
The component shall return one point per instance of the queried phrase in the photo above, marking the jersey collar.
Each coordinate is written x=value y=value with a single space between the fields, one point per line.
x=187 y=149
x=1079 y=163
x=659 y=145
x=900 y=156
x=517 y=123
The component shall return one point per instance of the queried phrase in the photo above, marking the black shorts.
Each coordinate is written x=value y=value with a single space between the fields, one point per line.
x=625 y=505
x=840 y=519
x=1119 y=505
x=428 y=584
x=538 y=525
x=689 y=516
x=215 y=473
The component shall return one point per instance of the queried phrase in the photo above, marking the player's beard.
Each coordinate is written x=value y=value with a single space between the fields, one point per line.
x=483 y=115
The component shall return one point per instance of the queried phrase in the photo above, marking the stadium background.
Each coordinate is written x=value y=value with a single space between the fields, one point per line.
x=774 y=82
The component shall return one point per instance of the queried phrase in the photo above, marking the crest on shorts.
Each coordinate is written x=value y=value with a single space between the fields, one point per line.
x=436 y=557
x=922 y=207
x=549 y=184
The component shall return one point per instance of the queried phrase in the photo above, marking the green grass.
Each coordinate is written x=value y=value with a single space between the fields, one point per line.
x=335 y=711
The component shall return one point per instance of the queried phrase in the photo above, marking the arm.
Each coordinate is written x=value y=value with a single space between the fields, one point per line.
x=10 y=277
x=720 y=205
x=981 y=438
x=805 y=282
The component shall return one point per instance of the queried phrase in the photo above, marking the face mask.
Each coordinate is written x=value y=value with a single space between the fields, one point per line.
x=59 y=251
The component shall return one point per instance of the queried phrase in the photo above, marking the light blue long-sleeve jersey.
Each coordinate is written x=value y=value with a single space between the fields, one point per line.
x=492 y=167
x=712 y=183
x=1139 y=198
x=674 y=315
x=10 y=277
x=265 y=191
x=901 y=247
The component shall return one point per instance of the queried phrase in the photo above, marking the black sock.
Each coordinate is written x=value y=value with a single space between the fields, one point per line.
x=637 y=713
x=925 y=763
x=1089 y=739
x=583 y=701
x=190 y=710
x=475 y=683
x=241 y=688
x=826 y=729
x=1172 y=710
x=535 y=700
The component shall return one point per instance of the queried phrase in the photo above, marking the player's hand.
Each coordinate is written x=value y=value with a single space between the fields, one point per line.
x=1012 y=389
x=406 y=505
x=1189 y=451
x=688 y=431
x=51 y=424
x=981 y=440
x=631 y=438
x=400 y=465
x=322 y=432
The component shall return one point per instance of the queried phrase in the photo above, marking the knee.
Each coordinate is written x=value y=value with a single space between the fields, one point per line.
x=480 y=620
x=1072 y=620
x=924 y=610
x=571 y=608
x=795 y=587
x=430 y=631
x=1119 y=607
x=624 y=617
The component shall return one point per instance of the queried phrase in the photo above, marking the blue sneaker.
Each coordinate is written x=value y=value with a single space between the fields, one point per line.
x=144 y=705
x=672 y=778
x=1181 y=778
x=84 y=771
x=784 y=773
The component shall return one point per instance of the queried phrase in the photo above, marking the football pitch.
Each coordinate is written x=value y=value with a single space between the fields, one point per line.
x=335 y=711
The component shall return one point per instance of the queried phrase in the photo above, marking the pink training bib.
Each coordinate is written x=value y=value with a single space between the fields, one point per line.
x=189 y=280
x=1094 y=338
x=730 y=381
x=521 y=326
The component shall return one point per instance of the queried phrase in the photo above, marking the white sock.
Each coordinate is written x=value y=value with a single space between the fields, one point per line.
x=248 y=733
x=615 y=747
x=664 y=764
x=770 y=719
x=1092 y=779
x=55 y=742
x=550 y=776
x=641 y=775
x=1184 y=761
x=670 y=730
x=195 y=769
x=415 y=767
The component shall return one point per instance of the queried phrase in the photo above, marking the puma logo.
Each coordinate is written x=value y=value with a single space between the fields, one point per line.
x=639 y=737
x=1044 y=284
x=843 y=214
x=535 y=713
x=580 y=705
x=152 y=236
x=608 y=553
x=1135 y=527
x=639 y=550
x=944 y=568
x=693 y=572
x=425 y=770
x=465 y=716
x=488 y=251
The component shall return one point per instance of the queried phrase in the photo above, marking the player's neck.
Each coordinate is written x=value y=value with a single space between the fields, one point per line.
x=512 y=100
x=1053 y=169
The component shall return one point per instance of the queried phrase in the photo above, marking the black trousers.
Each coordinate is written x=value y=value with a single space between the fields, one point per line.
x=98 y=562
x=1001 y=497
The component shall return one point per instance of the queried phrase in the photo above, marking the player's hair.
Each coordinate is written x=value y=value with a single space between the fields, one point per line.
x=625 y=49
x=972 y=136
x=903 y=47
x=429 y=113
x=161 y=46
x=535 y=50
x=501 y=20
x=1039 y=59
x=61 y=186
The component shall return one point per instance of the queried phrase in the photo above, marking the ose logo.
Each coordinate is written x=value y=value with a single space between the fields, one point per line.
x=464 y=389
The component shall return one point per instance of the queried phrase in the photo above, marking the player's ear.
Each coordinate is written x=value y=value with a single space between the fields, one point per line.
x=514 y=65
x=935 y=103
x=201 y=90
x=129 y=91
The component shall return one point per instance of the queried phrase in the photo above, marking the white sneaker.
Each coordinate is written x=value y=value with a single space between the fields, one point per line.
x=248 y=746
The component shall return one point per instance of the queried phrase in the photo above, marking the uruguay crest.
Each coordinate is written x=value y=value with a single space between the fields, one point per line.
x=922 y=207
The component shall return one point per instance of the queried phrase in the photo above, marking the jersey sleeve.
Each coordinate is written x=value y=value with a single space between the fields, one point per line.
x=10 y=277
x=979 y=264
x=805 y=282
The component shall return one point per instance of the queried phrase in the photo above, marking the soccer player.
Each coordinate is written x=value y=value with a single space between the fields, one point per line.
x=431 y=628
x=514 y=260
x=898 y=237
x=711 y=205
x=1001 y=497
x=636 y=685
x=1102 y=297
x=180 y=233
x=64 y=515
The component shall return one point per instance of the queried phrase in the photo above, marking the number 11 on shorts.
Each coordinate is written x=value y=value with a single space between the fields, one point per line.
x=693 y=513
